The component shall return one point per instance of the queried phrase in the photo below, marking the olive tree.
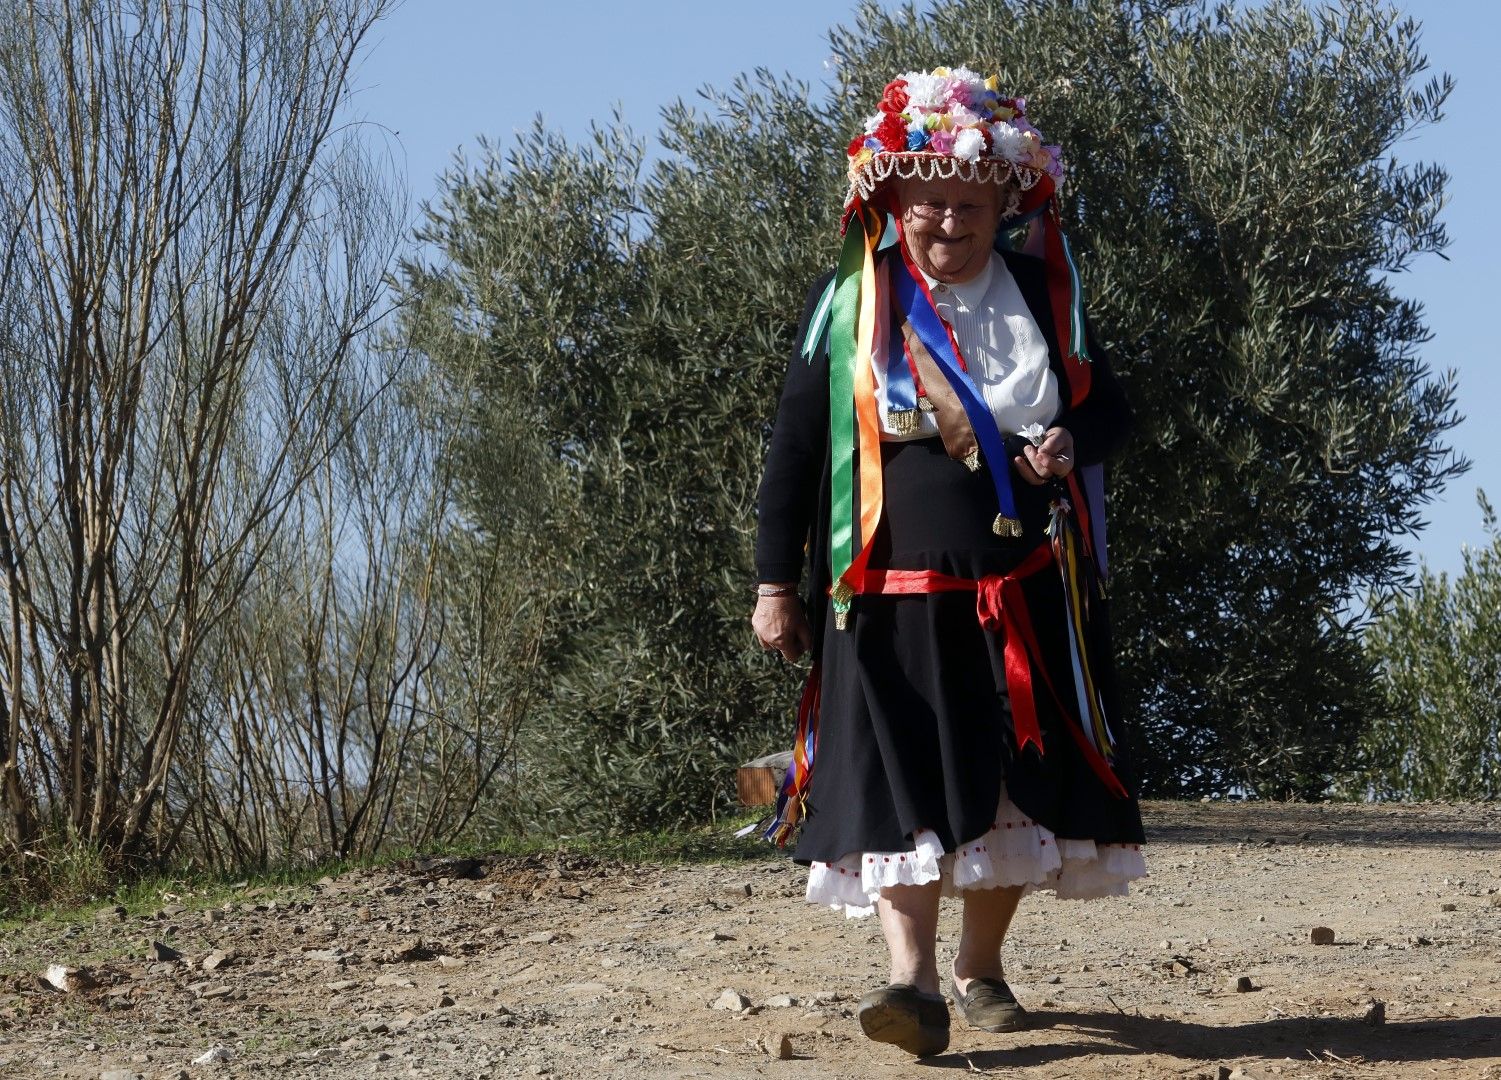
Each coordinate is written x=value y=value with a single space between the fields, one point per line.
x=1438 y=648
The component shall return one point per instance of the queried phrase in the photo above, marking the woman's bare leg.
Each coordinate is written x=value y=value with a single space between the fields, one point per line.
x=909 y=919
x=987 y=917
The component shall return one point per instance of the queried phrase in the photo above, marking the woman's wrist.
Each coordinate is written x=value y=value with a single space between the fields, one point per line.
x=768 y=589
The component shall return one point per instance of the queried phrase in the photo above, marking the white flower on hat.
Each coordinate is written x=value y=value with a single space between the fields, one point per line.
x=873 y=122
x=1010 y=142
x=969 y=144
x=926 y=91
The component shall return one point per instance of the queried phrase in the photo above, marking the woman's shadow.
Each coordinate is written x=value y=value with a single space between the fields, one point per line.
x=1319 y=1038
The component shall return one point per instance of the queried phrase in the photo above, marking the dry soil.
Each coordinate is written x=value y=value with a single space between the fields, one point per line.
x=571 y=967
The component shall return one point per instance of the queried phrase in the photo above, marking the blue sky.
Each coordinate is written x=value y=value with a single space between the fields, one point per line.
x=440 y=73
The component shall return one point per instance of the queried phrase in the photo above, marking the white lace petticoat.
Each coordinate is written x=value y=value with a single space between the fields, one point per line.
x=1016 y=851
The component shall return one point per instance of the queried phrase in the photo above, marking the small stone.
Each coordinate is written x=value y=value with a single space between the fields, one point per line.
x=400 y=982
x=340 y=985
x=1164 y=944
x=1241 y=984
x=69 y=979
x=445 y=1002
x=213 y=915
x=216 y=960
x=451 y=962
x=782 y=1001
x=721 y=936
x=731 y=1000
x=214 y=992
x=779 y=1046
x=374 y=1027
x=115 y=914
x=327 y=956
x=1495 y=899
x=214 y=1056
x=119 y=1074
x=1222 y=1073
x=1375 y=1013
x=1053 y=980
x=162 y=953
x=541 y=937
x=1321 y=935
x=1448 y=907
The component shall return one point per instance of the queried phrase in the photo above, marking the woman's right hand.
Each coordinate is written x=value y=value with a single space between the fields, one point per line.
x=781 y=625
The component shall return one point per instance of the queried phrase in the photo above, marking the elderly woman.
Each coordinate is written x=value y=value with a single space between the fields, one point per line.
x=936 y=454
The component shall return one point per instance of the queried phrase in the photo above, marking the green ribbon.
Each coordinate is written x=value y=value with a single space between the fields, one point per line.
x=843 y=314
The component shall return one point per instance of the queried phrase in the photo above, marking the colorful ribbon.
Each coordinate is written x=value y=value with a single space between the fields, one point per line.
x=1001 y=607
x=792 y=798
x=910 y=290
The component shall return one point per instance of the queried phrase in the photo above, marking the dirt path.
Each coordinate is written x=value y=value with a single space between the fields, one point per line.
x=569 y=968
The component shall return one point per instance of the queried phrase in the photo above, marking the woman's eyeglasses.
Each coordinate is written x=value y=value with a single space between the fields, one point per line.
x=937 y=211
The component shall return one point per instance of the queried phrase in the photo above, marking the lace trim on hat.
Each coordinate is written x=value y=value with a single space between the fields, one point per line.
x=866 y=178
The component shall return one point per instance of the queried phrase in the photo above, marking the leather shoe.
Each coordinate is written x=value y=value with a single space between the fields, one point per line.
x=990 y=1005
x=904 y=1016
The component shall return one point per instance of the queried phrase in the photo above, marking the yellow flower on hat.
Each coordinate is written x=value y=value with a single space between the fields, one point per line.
x=993 y=84
x=942 y=72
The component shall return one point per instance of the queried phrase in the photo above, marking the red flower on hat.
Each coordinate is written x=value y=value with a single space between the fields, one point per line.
x=856 y=145
x=894 y=99
x=892 y=133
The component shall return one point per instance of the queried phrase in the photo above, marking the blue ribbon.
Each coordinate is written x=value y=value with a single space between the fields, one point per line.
x=918 y=308
x=901 y=388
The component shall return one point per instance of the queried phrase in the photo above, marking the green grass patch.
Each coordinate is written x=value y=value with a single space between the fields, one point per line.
x=85 y=886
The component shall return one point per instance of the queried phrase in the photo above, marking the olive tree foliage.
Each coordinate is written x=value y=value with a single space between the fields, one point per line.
x=614 y=327
x=1439 y=652
x=611 y=335
x=234 y=626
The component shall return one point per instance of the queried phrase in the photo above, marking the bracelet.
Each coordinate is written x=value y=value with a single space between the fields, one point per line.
x=776 y=590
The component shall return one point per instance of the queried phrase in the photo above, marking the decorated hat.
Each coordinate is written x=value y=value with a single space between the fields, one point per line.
x=946 y=124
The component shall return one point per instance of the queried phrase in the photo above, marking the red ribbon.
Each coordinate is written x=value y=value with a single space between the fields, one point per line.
x=1001 y=607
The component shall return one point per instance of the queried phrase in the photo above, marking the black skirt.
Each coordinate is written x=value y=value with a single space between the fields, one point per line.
x=915 y=727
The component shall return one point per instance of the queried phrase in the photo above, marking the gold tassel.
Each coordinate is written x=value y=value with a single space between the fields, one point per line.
x=925 y=403
x=1004 y=526
x=841 y=619
x=972 y=459
x=903 y=421
x=842 y=594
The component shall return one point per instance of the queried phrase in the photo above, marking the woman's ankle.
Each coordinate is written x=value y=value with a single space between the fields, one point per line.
x=965 y=969
x=924 y=980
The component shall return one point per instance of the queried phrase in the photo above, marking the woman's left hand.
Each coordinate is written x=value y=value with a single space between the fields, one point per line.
x=1053 y=459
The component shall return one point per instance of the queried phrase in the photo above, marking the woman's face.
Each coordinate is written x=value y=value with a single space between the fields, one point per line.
x=950 y=225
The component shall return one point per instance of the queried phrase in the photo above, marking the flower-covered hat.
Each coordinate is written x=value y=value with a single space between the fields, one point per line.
x=951 y=123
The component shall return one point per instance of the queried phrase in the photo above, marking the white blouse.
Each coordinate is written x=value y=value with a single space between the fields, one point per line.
x=1006 y=352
